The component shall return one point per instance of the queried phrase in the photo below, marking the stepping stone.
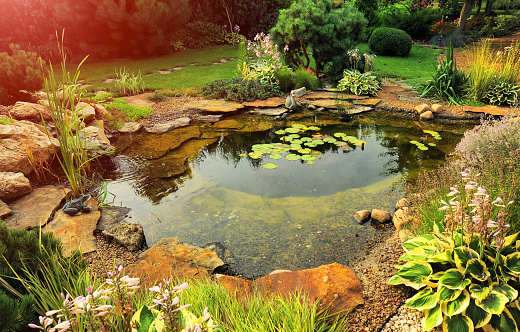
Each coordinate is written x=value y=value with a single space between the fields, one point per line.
x=269 y=102
x=109 y=80
x=489 y=109
x=327 y=103
x=218 y=106
x=209 y=118
x=367 y=102
x=360 y=109
x=176 y=68
x=164 y=72
x=269 y=111
x=167 y=126
x=330 y=95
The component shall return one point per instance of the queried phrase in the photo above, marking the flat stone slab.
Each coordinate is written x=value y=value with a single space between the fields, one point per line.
x=210 y=118
x=269 y=102
x=167 y=126
x=327 y=103
x=76 y=232
x=36 y=208
x=367 y=102
x=360 y=109
x=130 y=127
x=269 y=111
x=140 y=100
x=330 y=95
x=489 y=109
x=218 y=106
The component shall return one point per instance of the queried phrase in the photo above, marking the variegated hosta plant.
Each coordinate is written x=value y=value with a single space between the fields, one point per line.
x=467 y=271
x=359 y=83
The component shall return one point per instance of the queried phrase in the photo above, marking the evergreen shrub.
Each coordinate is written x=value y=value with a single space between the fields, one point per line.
x=390 y=41
x=19 y=71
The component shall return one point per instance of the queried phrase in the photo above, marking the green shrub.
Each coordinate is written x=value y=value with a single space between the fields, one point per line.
x=448 y=82
x=505 y=24
x=358 y=83
x=19 y=71
x=284 y=77
x=16 y=314
x=416 y=23
x=390 y=41
x=506 y=4
x=304 y=78
x=239 y=89
x=133 y=113
x=200 y=34
x=502 y=93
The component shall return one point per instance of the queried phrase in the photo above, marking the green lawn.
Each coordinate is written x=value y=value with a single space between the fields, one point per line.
x=412 y=69
x=189 y=76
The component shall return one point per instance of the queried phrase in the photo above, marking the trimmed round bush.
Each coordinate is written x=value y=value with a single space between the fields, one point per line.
x=390 y=41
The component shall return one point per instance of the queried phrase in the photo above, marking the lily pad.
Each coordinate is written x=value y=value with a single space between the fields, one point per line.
x=292 y=156
x=305 y=139
x=305 y=151
x=360 y=143
x=308 y=157
x=309 y=162
x=269 y=165
x=415 y=142
x=299 y=126
x=340 y=143
x=432 y=144
x=423 y=148
x=329 y=140
x=280 y=132
x=294 y=135
x=286 y=138
x=296 y=141
x=340 y=135
x=255 y=155
x=275 y=156
x=313 y=128
x=346 y=148
x=292 y=130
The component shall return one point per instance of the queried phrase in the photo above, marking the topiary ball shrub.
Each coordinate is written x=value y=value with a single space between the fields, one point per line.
x=390 y=41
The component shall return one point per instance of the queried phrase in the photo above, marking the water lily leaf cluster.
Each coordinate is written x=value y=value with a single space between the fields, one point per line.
x=422 y=146
x=298 y=143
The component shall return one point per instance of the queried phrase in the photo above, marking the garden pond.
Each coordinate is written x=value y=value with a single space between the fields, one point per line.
x=279 y=195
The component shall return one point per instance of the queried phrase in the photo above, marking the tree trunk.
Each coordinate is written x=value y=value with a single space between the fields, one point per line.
x=479 y=6
x=464 y=14
x=489 y=7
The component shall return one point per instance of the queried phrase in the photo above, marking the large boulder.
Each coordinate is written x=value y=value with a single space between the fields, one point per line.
x=20 y=138
x=333 y=284
x=13 y=185
x=172 y=257
x=36 y=208
x=29 y=111
x=128 y=235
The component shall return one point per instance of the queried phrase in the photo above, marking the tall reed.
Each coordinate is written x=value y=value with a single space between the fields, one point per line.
x=65 y=113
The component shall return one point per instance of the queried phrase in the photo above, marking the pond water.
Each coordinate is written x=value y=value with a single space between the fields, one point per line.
x=200 y=183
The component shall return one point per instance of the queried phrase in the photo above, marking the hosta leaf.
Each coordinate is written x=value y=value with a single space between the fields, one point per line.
x=423 y=240
x=501 y=323
x=513 y=262
x=420 y=254
x=425 y=299
x=510 y=240
x=477 y=269
x=413 y=273
x=515 y=313
x=456 y=306
x=479 y=316
x=453 y=279
x=505 y=289
x=444 y=257
x=432 y=317
x=436 y=276
x=438 y=227
x=395 y=280
x=494 y=303
x=479 y=292
x=446 y=294
x=461 y=256
x=458 y=323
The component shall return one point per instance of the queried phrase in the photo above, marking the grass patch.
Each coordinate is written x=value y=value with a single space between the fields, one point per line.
x=5 y=120
x=413 y=69
x=122 y=112
x=191 y=75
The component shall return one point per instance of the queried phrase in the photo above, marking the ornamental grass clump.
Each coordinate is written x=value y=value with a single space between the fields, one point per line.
x=467 y=270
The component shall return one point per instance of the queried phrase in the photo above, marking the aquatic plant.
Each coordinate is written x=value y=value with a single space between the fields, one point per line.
x=422 y=146
x=129 y=83
x=467 y=269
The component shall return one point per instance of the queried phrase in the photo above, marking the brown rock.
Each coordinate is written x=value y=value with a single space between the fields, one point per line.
x=401 y=217
x=489 y=109
x=29 y=111
x=327 y=103
x=380 y=216
x=13 y=185
x=268 y=111
x=362 y=216
x=423 y=108
x=96 y=133
x=269 y=102
x=367 y=102
x=101 y=111
x=76 y=232
x=403 y=202
x=172 y=257
x=437 y=108
x=330 y=95
x=167 y=126
x=20 y=137
x=130 y=128
x=128 y=235
x=37 y=207
x=227 y=125
x=426 y=116
x=4 y=210
x=218 y=106
x=333 y=284
x=86 y=111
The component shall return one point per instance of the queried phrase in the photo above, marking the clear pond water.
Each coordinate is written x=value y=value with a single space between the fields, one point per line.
x=201 y=185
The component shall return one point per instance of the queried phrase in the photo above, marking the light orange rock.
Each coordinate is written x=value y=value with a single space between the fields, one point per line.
x=13 y=185
x=401 y=217
x=76 y=232
x=426 y=116
x=380 y=216
x=29 y=111
x=217 y=106
x=227 y=125
x=269 y=102
x=333 y=284
x=4 y=210
x=362 y=216
x=423 y=108
x=437 y=108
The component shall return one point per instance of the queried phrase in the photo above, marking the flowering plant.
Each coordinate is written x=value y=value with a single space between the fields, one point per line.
x=467 y=269
x=423 y=4
x=110 y=309
x=447 y=27
x=362 y=63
